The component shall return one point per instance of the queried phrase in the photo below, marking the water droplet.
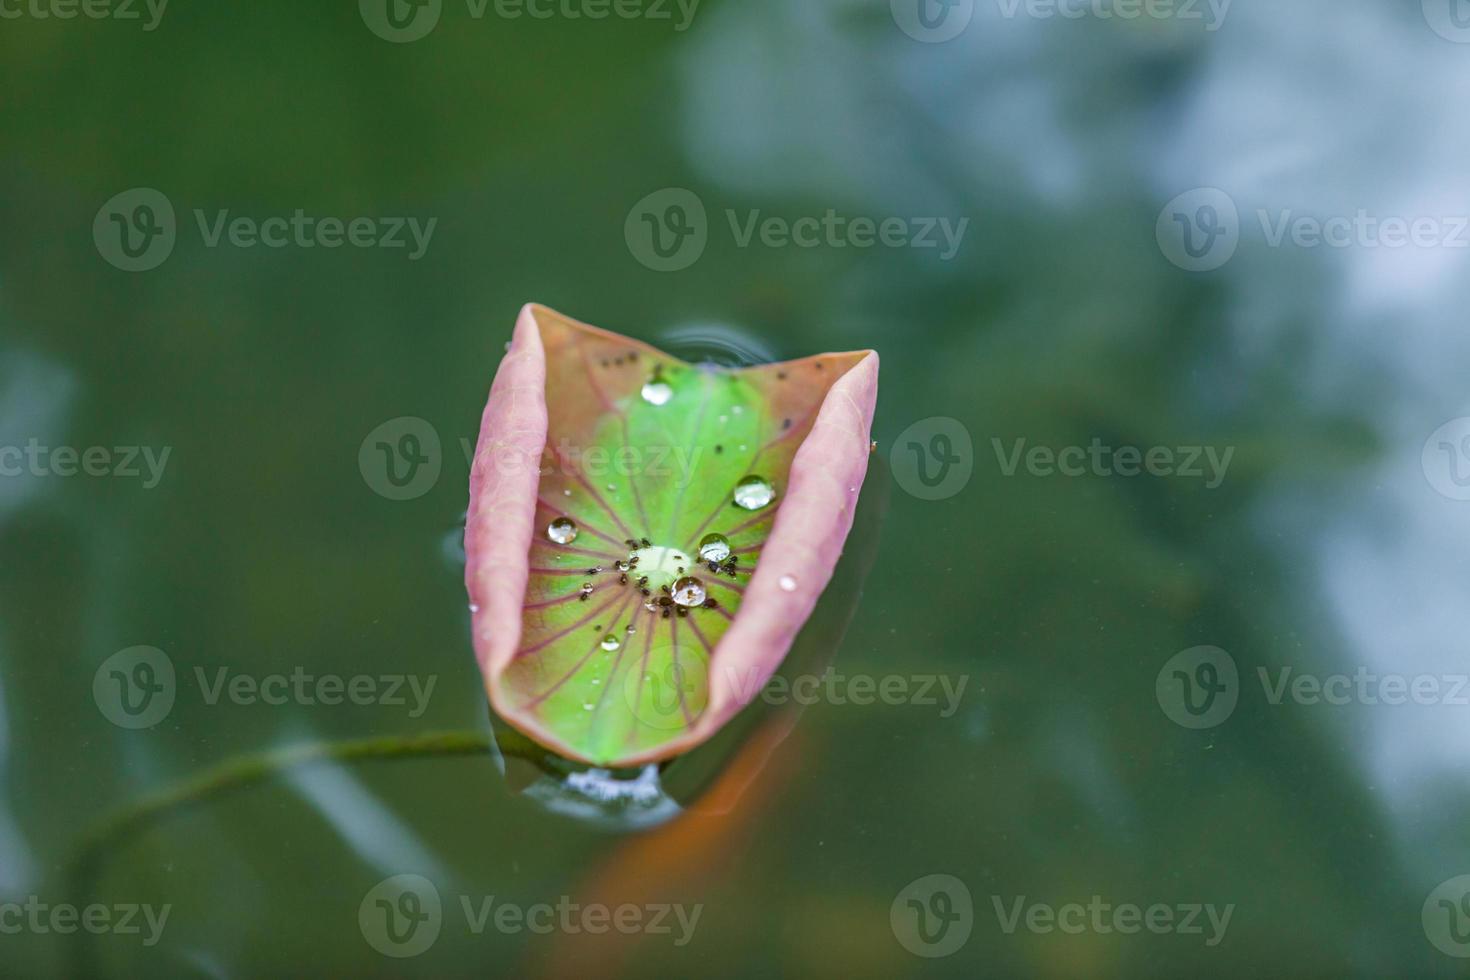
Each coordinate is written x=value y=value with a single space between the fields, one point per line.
x=753 y=493
x=787 y=583
x=474 y=607
x=611 y=487
x=736 y=409
x=563 y=530
x=587 y=706
x=656 y=391
x=714 y=547
x=689 y=591
x=586 y=588
x=566 y=493
x=610 y=643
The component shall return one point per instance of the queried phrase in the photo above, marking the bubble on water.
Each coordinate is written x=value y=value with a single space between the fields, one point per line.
x=563 y=530
x=656 y=390
x=787 y=583
x=689 y=591
x=611 y=643
x=714 y=547
x=753 y=493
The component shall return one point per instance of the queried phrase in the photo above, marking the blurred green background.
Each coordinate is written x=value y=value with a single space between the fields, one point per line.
x=1329 y=545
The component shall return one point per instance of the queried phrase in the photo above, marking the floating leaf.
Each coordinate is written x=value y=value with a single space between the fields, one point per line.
x=602 y=468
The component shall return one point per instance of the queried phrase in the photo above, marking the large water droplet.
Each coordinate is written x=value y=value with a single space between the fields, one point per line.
x=753 y=493
x=656 y=391
x=714 y=547
x=689 y=591
x=610 y=642
x=563 y=530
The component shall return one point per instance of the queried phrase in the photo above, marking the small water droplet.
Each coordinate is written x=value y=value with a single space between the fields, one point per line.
x=587 y=706
x=611 y=642
x=656 y=391
x=586 y=588
x=611 y=487
x=714 y=547
x=787 y=583
x=563 y=530
x=689 y=591
x=566 y=493
x=474 y=607
x=736 y=409
x=753 y=493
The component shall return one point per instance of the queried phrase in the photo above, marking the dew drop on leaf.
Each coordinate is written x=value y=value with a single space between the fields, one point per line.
x=753 y=493
x=787 y=583
x=563 y=530
x=657 y=391
x=714 y=547
x=610 y=643
x=689 y=591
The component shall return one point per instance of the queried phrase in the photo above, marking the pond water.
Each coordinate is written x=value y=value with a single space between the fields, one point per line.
x=1148 y=655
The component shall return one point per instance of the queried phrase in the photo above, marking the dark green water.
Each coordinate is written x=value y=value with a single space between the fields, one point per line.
x=1302 y=512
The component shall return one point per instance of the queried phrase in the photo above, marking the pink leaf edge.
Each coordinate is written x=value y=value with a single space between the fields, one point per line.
x=811 y=526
